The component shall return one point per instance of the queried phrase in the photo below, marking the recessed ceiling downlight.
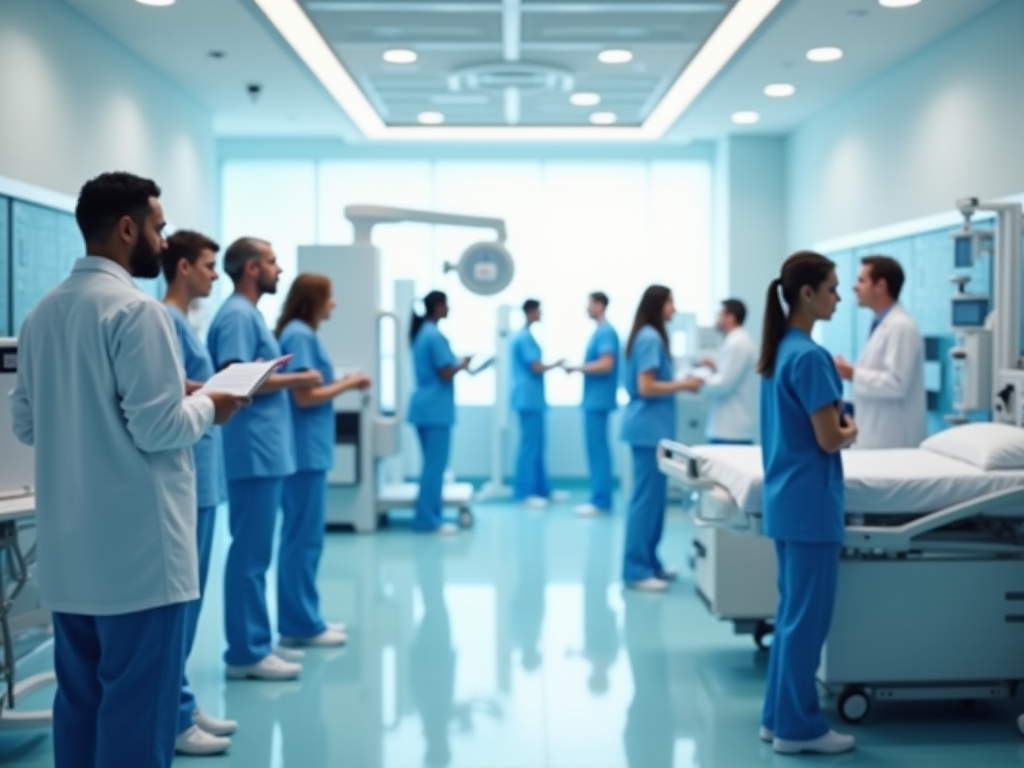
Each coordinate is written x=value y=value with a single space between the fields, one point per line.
x=745 y=117
x=825 y=54
x=430 y=118
x=604 y=118
x=585 y=99
x=898 y=3
x=400 y=56
x=615 y=56
x=779 y=90
x=156 y=3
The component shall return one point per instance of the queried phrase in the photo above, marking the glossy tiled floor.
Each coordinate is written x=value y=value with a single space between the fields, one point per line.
x=513 y=646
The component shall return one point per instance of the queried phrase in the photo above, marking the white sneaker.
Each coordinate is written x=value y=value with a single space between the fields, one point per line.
x=589 y=510
x=535 y=502
x=293 y=655
x=196 y=741
x=831 y=743
x=329 y=638
x=270 y=667
x=668 y=574
x=558 y=496
x=766 y=735
x=1020 y=723
x=337 y=626
x=649 y=585
x=213 y=725
x=446 y=529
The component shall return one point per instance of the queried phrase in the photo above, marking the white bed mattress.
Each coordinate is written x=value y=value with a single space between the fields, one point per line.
x=911 y=481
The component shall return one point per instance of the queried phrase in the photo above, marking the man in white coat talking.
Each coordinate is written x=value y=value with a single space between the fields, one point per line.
x=888 y=378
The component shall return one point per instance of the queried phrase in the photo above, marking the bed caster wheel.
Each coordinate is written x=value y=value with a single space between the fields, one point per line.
x=854 y=704
x=762 y=632
x=465 y=518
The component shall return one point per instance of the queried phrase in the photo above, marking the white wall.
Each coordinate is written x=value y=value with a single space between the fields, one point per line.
x=945 y=124
x=75 y=103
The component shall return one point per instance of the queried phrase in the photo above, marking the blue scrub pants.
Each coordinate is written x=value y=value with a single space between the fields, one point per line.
x=599 y=458
x=118 y=685
x=646 y=517
x=808 y=574
x=205 y=520
x=435 y=442
x=531 y=467
x=298 y=559
x=253 y=511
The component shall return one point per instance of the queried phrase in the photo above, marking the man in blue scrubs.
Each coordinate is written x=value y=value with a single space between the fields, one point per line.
x=600 y=391
x=259 y=453
x=101 y=396
x=531 y=485
x=190 y=269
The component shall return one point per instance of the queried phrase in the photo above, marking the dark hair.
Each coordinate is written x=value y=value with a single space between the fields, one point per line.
x=650 y=312
x=431 y=302
x=108 y=198
x=888 y=269
x=240 y=253
x=305 y=301
x=184 y=244
x=737 y=309
x=530 y=304
x=802 y=268
x=600 y=297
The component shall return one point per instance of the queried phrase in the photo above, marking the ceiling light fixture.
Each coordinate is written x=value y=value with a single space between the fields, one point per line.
x=430 y=118
x=825 y=54
x=400 y=56
x=615 y=56
x=897 y=3
x=156 y=3
x=779 y=90
x=585 y=99
x=745 y=117
x=604 y=118
x=293 y=23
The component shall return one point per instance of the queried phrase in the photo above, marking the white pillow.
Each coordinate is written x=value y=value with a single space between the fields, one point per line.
x=984 y=444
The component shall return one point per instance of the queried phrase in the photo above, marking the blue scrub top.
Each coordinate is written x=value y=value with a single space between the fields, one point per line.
x=313 y=427
x=600 y=390
x=258 y=441
x=207 y=453
x=433 y=402
x=648 y=420
x=803 y=485
x=527 y=384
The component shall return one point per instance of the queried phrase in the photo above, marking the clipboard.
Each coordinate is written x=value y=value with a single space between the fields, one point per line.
x=243 y=379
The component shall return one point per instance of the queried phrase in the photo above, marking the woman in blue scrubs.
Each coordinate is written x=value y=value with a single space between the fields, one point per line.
x=432 y=409
x=649 y=418
x=803 y=431
x=309 y=303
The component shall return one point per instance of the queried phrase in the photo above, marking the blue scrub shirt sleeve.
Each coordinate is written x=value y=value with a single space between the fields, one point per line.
x=815 y=380
x=607 y=343
x=441 y=352
x=302 y=346
x=647 y=352
x=237 y=340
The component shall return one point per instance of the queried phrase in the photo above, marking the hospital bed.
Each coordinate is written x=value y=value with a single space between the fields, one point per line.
x=930 y=601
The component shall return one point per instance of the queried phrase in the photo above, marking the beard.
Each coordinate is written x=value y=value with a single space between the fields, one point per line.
x=144 y=260
x=266 y=285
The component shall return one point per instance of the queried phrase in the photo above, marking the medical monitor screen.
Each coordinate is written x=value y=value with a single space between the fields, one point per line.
x=963 y=252
x=970 y=313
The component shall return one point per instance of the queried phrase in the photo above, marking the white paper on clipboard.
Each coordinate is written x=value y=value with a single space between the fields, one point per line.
x=242 y=379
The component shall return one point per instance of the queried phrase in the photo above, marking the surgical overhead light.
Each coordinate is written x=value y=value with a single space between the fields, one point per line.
x=484 y=268
x=825 y=54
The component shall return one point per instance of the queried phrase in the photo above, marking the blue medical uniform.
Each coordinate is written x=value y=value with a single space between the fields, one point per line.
x=259 y=454
x=803 y=513
x=600 y=392
x=528 y=401
x=432 y=412
x=305 y=493
x=210 y=492
x=646 y=422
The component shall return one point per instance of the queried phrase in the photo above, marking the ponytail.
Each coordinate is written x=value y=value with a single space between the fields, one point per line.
x=802 y=268
x=431 y=302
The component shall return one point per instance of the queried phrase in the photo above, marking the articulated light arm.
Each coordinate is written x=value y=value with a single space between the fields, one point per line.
x=365 y=217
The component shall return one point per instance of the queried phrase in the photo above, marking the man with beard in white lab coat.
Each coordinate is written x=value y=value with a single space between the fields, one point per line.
x=888 y=378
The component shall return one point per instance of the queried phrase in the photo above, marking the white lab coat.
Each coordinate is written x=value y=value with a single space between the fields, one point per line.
x=888 y=385
x=732 y=389
x=100 y=393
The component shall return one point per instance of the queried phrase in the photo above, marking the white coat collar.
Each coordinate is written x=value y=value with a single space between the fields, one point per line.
x=101 y=264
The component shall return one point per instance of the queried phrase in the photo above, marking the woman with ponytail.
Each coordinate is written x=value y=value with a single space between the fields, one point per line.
x=432 y=410
x=802 y=431
x=650 y=418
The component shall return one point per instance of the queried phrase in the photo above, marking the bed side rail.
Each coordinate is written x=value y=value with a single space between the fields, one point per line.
x=681 y=463
x=910 y=536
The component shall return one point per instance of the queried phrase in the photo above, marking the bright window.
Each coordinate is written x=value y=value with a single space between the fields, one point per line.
x=573 y=228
